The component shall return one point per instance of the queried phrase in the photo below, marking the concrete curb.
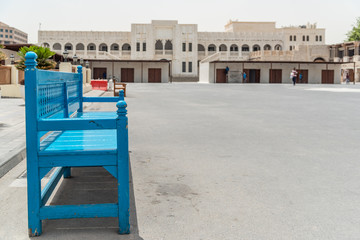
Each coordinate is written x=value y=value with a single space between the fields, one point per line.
x=12 y=161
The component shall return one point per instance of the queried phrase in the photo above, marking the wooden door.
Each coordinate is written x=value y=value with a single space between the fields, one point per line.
x=305 y=76
x=127 y=75
x=257 y=75
x=99 y=73
x=154 y=75
x=220 y=76
x=327 y=76
x=351 y=74
x=275 y=76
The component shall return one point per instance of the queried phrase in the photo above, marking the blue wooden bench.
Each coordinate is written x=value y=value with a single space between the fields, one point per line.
x=60 y=135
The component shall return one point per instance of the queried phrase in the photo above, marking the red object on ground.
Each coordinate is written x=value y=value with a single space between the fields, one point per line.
x=99 y=85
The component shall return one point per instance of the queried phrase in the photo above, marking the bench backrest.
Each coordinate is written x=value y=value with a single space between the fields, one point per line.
x=54 y=94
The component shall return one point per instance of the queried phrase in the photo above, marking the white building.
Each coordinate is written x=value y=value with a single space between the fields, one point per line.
x=182 y=44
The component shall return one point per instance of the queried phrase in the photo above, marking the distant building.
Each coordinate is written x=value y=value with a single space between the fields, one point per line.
x=11 y=35
x=185 y=47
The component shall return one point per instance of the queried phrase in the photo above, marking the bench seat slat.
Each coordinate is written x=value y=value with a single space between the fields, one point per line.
x=75 y=124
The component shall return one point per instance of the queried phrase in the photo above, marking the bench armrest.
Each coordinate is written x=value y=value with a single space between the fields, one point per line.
x=101 y=99
x=75 y=124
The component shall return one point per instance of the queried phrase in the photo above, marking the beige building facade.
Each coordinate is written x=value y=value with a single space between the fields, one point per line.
x=185 y=46
x=11 y=35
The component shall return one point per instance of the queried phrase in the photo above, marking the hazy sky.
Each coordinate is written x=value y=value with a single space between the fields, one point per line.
x=337 y=17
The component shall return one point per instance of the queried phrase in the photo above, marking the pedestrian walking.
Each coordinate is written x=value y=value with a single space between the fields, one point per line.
x=293 y=76
x=347 y=78
x=244 y=77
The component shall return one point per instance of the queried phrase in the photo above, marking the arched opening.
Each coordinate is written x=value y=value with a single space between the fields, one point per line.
x=201 y=48
x=278 y=47
x=245 y=48
x=212 y=48
x=319 y=59
x=68 y=46
x=267 y=47
x=91 y=47
x=256 y=48
x=80 y=46
x=103 y=47
x=222 y=48
x=234 y=48
x=159 y=45
x=126 y=47
x=46 y=45
x=168 y=45
x=114 y=47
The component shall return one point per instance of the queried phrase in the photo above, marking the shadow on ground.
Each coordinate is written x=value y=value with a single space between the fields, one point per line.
x=89 y=186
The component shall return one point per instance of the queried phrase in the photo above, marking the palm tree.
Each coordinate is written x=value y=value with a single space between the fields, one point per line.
x=43 y=57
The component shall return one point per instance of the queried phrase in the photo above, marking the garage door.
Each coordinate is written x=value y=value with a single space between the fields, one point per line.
x=275 y=76
x=327 y=76
x=220 y=76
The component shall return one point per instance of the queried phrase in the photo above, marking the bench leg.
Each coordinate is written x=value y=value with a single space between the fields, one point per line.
x=34 y=201
x=123 y=198
x=67 y=172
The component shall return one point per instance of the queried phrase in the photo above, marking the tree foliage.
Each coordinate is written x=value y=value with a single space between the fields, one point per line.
x=354 y=34
x=43 y=60
x=2 y=55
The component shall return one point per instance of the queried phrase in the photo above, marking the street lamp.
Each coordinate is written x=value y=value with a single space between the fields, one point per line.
x=75 y=58
x=65 y=53
x=12 y=59
x=81 y=61
x=87 y=64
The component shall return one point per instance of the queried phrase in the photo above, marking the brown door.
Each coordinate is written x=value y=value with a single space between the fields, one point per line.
x=257 y=75
x=327 y=76
x=220 y=76
x=305 y=74
x=154 y=75
x=127 y=75
x=351 y=74
x=275 y=76
x=99 y=73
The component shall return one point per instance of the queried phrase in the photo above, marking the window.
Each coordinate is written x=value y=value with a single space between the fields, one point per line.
x=190 y=66
x=184 y=47
x=290 y=38
x=6 y=36
x=303 y=38
x=1 y=30
x=6 y=30
x=10 y=36
x=316 y=38
x=190 y=47
x=144 y=46
x=183 y=66
x=138 y=47
x=295 y=38
x=10 y=31
x=1 y=35
x=307 y=38
x=320 y=38
x=290 y=48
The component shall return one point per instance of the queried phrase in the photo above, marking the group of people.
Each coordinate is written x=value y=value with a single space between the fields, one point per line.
x=244 y=75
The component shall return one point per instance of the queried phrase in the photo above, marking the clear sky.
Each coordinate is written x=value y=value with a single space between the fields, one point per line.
x=337 y=17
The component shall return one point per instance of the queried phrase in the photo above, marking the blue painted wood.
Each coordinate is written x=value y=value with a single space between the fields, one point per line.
x=101 y=99
x=32 y=144
x=50 y=186
x=59 y=134
x=123 y=168
x=77 y=160
x=79 y=211
x=75 y=124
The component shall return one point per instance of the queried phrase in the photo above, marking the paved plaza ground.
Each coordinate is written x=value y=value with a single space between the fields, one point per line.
x=213 y=161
